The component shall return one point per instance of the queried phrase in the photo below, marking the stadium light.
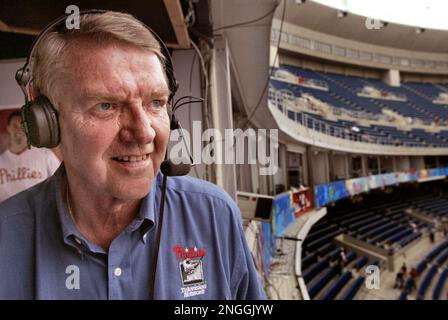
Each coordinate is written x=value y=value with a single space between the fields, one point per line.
x=419 y=30
x=341 y=14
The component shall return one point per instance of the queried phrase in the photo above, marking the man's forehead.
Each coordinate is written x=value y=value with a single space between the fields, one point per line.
x=121 y=91
x=89 y=57
x=113 y=67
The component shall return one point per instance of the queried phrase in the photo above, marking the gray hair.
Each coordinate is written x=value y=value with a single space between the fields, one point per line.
x=48 y=61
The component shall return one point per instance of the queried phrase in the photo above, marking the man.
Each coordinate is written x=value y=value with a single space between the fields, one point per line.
x=20 y=167
x=89 y=232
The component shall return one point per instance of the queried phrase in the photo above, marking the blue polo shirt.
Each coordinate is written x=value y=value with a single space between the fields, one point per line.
x=202 y=255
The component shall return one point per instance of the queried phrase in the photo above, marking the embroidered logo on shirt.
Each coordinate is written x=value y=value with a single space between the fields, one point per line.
x=191 y=270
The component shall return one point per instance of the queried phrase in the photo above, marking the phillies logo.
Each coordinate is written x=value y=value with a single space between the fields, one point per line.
x=188 y=253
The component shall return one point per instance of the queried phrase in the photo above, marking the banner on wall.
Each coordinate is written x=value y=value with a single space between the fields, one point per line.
x=337 y=190
x=268 y=246
x=431 y=174
x=403 y=177
x=283 y=214
x=331 y=192
x=302 y=202
x=413 y=175
x=423 y=174
x=375 y=181
x=436 y=172
x=389 y=179
x=321 y=196
x=356 y=186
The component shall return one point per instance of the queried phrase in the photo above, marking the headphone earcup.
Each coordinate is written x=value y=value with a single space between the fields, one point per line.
x=41 y=123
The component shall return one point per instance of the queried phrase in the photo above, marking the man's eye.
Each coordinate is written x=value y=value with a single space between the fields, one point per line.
x=157 y=103
x=104 y=106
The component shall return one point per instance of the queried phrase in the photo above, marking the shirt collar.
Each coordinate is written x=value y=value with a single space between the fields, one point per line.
x=145 y=218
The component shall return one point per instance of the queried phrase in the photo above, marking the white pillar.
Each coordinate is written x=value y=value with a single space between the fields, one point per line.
x=221 y=105
x=392 y=78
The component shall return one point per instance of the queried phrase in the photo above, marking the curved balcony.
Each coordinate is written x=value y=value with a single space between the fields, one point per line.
x=323 y=133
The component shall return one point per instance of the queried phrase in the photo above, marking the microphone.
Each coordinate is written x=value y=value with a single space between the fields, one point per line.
x=170 y=168
x=175 y=167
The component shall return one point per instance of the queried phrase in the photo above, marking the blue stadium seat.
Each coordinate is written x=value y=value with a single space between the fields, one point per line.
x=353 y=289
x=312 y=272
x=343 y=92
x=337 y=286
x=426 y=281
x=321 y=282
x=440 y=285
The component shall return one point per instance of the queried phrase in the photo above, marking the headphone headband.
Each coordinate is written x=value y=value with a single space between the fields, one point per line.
x=39 y=117
x=23 y=75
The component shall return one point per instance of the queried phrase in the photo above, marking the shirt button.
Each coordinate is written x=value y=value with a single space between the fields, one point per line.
x=78 y=241
x=145 y=236
x=117 y=272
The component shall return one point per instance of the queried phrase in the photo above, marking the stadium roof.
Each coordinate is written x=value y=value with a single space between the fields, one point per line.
x=325 y=19
x=425 y=14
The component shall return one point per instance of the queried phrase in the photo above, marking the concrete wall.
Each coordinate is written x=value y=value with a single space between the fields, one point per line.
x=402 y=163
x=320 y=167
x=11 y=96
x=417 y=163
x=387 y=164
x=280 y=176
x=339 y=164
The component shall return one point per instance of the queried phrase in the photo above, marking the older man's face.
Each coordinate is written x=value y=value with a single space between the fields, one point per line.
x=113 y=118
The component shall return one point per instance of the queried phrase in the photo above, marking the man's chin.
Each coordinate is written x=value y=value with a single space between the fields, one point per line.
x=132 y=190
x=129 y=195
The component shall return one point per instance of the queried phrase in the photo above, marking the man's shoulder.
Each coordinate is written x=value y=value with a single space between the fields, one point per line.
x=190 y=185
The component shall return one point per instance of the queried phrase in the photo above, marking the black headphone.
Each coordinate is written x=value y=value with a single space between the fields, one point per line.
x=40 y=118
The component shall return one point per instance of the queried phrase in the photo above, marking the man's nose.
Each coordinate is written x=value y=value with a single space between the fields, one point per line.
x=137 y=126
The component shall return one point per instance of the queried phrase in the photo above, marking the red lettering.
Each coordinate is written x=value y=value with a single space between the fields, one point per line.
x=188 y=253
x=21 y=173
